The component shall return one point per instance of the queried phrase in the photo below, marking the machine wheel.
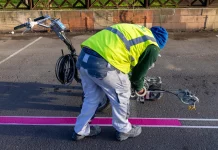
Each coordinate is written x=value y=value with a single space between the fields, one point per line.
x=103 y=106
x=154 y=84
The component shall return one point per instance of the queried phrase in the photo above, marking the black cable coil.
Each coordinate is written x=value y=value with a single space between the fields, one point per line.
x=65 y=69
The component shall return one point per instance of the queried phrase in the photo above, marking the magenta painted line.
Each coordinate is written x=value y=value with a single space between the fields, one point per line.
x=107 y=121
x=141 y=121
x=36 y=120
x=158 y=122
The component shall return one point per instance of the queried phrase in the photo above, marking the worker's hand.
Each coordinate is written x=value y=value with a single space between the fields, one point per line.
x=152 y=66
x=141 y=92
x=141 y=95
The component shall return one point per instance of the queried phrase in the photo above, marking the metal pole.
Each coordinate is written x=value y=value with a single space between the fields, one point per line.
x=146 y=3
x=87 y=4
x=30 y=4
x=207 y=3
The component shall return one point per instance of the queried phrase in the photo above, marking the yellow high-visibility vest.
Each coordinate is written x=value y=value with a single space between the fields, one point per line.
x=121 y=44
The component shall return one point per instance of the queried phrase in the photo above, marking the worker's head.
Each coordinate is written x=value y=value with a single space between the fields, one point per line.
x=161 y=35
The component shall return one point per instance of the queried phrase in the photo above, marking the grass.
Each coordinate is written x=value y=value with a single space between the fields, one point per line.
x=44 y=3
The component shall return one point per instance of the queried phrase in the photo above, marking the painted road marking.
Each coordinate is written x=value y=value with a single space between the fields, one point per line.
x=12 y=55
x=104 y=121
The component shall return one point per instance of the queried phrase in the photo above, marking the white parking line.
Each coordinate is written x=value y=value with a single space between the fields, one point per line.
x=12 y=55
x=196 y=119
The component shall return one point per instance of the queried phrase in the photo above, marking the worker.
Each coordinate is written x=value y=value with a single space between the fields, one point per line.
x=104 y=64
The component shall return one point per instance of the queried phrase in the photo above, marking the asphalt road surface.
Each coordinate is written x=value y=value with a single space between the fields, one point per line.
x=28 y=87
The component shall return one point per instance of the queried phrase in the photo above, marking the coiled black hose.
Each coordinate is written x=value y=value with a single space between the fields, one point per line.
x=65 y=69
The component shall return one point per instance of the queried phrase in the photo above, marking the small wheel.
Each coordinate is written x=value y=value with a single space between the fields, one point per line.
x=155 y=95
x=154 y=84
x=104 y=105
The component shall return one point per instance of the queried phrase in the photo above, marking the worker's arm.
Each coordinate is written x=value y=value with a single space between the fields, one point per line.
x=148 y=57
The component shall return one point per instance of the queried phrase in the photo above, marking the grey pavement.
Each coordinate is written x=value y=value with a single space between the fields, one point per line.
x=28 y=87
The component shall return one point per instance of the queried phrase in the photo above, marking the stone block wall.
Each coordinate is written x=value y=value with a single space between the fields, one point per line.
x=175 y=19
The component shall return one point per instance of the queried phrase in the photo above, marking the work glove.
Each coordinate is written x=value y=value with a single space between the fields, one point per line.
x=152 y=66
x=141 y=94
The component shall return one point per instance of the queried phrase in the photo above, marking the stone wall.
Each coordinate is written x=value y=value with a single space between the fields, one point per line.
x=89 y=20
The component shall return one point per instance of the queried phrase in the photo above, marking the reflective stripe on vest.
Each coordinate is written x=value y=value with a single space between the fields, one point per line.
x=129 y=43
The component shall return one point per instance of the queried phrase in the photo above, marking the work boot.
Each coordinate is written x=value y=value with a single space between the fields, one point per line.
x=135 y=131
x=94 y=130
